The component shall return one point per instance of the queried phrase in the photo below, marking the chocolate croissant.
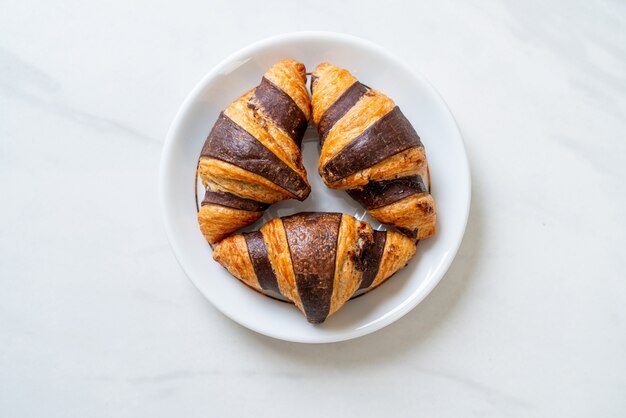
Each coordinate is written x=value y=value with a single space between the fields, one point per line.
x=316 y=260
x=252 y=157
x=370 y=149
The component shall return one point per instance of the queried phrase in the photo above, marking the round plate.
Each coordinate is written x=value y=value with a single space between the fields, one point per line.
x=422 y=105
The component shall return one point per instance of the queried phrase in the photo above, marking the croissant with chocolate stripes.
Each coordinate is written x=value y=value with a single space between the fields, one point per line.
x=316 y=260
x=370 y=149
x=252 y=156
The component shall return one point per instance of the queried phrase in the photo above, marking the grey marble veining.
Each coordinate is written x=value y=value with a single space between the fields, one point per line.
x=97 y=319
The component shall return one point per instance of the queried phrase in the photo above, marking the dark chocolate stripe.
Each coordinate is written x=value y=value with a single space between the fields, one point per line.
x=339 y=108
x=377 y=194
x=312 y=239
x=281 y=109
x=373 y=258
x=261 y=261
x=411 y=233
x=231 y=143
x=387 y=136
x=232 y=201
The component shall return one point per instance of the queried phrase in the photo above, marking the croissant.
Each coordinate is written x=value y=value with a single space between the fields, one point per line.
x=251 y=157
x=317 y=260
x=370 y=149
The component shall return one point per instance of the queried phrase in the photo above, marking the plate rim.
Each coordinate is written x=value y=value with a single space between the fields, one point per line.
x=165 y=161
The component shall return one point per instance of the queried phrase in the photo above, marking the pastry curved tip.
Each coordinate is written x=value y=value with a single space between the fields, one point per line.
x=398 y=251
x=217 y=222
x=304 y=194
x=322 y=67
x=291 y=64
x=405 y=247
x=232 y=253
x=415 y=216
x=222 y=248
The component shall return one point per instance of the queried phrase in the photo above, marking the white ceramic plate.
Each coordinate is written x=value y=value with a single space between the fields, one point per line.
x=374 y=67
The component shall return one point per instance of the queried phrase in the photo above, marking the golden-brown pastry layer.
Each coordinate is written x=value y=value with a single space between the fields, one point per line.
x=233 y=254
x=331 y=83
x=216 y=221
x=266 y=133
x=350 y=247
x=414 y=214
x=397 y=253
x=411 y=161
x=290 y=76
x=365 y=113
x=280 y=258
x=226 y=177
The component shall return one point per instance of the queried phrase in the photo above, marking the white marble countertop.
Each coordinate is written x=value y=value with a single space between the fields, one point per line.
x=98 y=320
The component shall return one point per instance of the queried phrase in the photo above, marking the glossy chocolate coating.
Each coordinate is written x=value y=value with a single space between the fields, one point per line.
x=232 y=201
x=377 y=194
x=261 y=261
x=373 y=256
x=312 y=239
x=391 y=134
x=339 y=108
x=281 y=109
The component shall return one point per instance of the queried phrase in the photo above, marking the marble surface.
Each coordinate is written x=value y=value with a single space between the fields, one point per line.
x=98 y=320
